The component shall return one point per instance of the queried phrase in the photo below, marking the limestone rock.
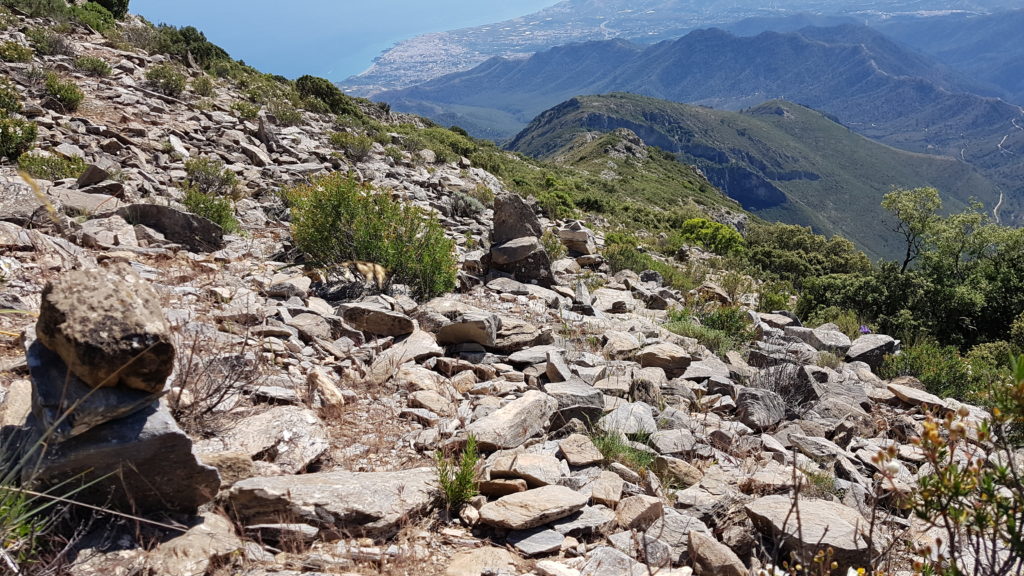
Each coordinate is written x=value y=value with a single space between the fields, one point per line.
x=871 y=349
x=638 y=512
x=712 y=558
x=515 y=423
x=532 y=508
x=479 y=327
x=373 y=504
x=290 y=436
x=671 y=358
x=759 y=409
x=824 y=524
x=579 y=450
x=536 y=469
x=376 y=320
x=108 y=327
x=486 y=560
x=513 y=218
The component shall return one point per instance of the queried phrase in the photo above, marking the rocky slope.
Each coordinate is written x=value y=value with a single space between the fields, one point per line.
x=295 y=430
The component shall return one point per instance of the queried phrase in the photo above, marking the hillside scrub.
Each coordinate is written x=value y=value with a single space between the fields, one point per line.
x=336 y=219
x=961 y=286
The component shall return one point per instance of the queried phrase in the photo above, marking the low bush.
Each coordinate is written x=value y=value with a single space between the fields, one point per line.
x=553 y=245
x=10 y=98
x=14 y=52
x=93 y=15
x=203 y=86
x=51 y=167
x=336 y=219
x=847 y=321
x=615 y=448
x=355 y=146
x=940 y=368
x=323 y=90
x=49 y=42
x=208 y=175
x=719 y=329
x=118 y=8
x=774 y=296
x=16 y=136
x=220 y=211
x=466 y=206
x=246 y=110
x=284 y=112
x=93 y=65
x=713 y=236
x=623 y=256
x=61 y=94
x=166 y=79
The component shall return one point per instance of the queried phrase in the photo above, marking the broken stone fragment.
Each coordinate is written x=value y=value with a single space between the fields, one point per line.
x=108 y=327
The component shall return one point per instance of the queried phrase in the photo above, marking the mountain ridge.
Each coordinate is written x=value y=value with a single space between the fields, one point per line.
x=780 y=160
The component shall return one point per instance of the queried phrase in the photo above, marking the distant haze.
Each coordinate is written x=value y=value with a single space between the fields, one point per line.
x=330 y=38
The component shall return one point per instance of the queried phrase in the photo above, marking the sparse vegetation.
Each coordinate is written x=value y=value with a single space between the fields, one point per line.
x=209 y=188
x=62 y=94
x=204 y=86
x=336 y=219
x=11 y=51
x=457 y=477
x=719 y=328
x=16 y=136
x=49 y=42
x=166 y=79
x=51 y=167
x=616 y=448
x=356 y=146
x=93 y=65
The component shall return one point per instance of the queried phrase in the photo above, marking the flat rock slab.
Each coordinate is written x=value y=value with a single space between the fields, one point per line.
x=515 y=423
x=673 y=359
x=916 y=397
x=823 y=524
x=536 y=469
x=195 y=233
x=108 y=327
x=579 y=450
x=290 y=436
x=536 y=542
x=372 y=504
x=376 y=320
x=486 y=560
x=533 y=508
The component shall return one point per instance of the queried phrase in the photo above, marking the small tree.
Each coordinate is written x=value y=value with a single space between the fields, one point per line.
x=916 y=211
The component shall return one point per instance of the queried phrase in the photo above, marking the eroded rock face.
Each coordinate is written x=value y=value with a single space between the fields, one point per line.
x=108 y=327
x=513 y=218
x=140 y=463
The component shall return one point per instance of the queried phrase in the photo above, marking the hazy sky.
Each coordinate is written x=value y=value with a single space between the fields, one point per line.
x=329 y=38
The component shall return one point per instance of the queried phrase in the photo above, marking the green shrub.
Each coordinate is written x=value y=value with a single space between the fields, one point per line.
x=220 y=211
x=627 y=257
x=94 y=16
x=312 y=87
x=356 y=146
x=774 y=296
x=187 y=42
x=938 y=367
x=166 y=79
x=246 y=110
x=49 y=42
x=713 y=236
x=720 y=329
x=51 y=167
x=16 y=136
x=847 y=320
x=208 y=175
x=466 y=206
x=284 y=112
x=336 y=219
x=393 y=152
x=457 y=477
x=56 y=9
x=10 y=98
x=14 y=52
x=203 y=86
x=93 y=65
x=553 y=245
x=62 y=94
x=118 y=8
